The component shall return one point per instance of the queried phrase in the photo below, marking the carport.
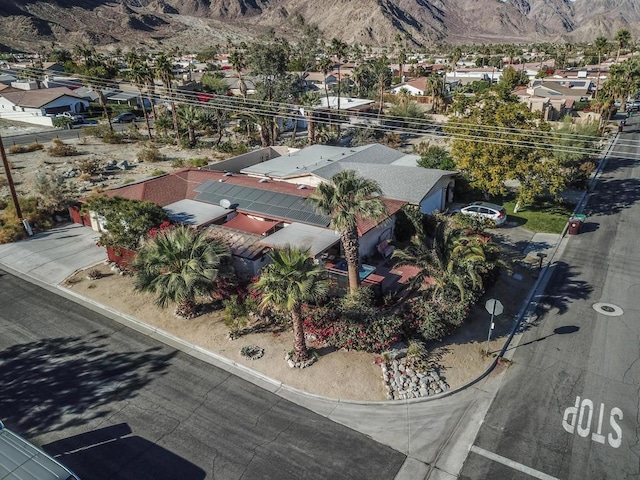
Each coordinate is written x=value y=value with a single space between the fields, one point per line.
x=300 y=235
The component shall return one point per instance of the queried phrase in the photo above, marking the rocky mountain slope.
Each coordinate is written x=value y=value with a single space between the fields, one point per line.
x=27 y=24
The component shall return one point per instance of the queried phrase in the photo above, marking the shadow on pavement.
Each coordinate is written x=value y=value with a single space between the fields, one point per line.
x=567 y=329
x=54 y=383
x=565 y=289
x=112 y=452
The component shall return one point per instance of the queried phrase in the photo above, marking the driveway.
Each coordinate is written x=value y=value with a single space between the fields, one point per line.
x=54 y=255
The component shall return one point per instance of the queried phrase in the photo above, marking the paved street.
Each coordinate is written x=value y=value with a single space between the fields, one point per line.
x=568 y=406
x=115 y=404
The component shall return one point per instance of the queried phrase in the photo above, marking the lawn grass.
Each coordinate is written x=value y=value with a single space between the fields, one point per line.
x=541 y=217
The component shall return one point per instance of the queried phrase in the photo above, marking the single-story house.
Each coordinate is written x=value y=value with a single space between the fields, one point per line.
x=255 y=212
x=571 y=89
x=415 y=86
x=39 y=106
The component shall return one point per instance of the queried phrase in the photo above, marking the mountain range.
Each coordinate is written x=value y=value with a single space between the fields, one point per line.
x=191 y=24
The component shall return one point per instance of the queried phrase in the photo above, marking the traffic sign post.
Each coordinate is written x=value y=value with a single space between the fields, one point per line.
x=494 y=307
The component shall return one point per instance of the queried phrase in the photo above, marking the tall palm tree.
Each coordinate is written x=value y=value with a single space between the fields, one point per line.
x=177 y=265
x=347 y=198
x=325 y=65
x=623 y=39
x=164 y=72
x=238 y=61
x=600 y=45
x=338 y=49
x=141 y=75
x=308 y=100
x=291 y=280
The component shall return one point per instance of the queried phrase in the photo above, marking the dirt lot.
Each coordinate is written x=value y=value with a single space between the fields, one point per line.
x=25 y=166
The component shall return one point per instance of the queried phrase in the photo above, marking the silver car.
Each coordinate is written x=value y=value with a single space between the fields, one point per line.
x=490 y=211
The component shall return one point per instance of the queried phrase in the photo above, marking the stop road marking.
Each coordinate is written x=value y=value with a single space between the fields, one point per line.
x=579 y=419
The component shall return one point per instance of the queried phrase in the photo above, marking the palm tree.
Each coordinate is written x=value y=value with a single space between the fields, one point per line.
x=325 y=65
x=600 y=45
x=164 y=72
x=338 y=49
x=308 y=100
x=177 y=265
x=623 y=39
x=348 y=198
x=238 y=61
x=141 y=75
x=291 y=280
x=189 y=116
x=453 y=260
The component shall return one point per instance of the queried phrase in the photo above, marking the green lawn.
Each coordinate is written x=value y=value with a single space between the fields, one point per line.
x=543 y=216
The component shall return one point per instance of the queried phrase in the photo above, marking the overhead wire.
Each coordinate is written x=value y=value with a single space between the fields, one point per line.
x=459 y=130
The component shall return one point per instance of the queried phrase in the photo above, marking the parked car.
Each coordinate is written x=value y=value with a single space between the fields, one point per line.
x=75 y=118
x=633 y=105
x=487 y=210
x=125 y=117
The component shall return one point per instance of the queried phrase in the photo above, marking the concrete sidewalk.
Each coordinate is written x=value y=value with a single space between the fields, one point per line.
x=434 y=433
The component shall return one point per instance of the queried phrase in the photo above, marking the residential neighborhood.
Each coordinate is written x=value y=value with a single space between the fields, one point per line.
x=433 y=244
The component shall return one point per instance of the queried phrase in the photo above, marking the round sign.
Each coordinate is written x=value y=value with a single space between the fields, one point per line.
x=494 y=307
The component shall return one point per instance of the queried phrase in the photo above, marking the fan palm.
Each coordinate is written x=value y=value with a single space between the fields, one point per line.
x=346 y=199
x=142 y=75
x=189 y=117
x=177 y=265
x=286 y=284
x=164 y=72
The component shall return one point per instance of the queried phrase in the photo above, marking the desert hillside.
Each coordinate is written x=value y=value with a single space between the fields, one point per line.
x=28 y=24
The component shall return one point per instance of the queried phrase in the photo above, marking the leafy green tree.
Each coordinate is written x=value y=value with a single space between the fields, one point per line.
x=126 y=221
x=290 y=281
x=177 y=265
x=511 y=78
x=572 y=149
x=495 y=140
x=433 y=156
x=347 y=198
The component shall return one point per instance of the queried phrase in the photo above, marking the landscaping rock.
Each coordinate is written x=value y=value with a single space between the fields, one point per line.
x=403 y=382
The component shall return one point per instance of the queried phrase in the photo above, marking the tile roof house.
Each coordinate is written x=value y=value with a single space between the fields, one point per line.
x=39 y=106
x=245 y=208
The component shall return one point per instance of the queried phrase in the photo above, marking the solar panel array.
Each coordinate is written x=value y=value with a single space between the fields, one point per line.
x=277 y=205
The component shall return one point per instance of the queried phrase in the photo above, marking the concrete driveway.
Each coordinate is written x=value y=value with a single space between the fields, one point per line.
x=54 y=255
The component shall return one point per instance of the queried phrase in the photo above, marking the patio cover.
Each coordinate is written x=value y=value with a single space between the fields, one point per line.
x=251 y=225
x=300 y=235
x=191 y=212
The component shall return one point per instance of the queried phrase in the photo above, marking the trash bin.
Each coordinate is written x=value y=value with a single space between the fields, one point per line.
x=575 y=223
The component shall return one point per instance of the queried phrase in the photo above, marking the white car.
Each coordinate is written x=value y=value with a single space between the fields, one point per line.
x=490 y=211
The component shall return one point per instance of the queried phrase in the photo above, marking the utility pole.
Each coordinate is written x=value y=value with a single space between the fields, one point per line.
x=12 y=189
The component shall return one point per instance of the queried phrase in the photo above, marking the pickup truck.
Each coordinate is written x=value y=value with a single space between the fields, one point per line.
x=73 y=116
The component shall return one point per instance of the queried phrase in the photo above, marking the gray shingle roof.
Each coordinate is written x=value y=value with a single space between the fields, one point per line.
x=397 y=182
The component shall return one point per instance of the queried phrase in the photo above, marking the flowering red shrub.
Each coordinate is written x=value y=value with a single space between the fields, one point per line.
x=153 y=233
x=331 y=327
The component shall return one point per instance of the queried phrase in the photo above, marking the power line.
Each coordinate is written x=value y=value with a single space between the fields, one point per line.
x=386 y=123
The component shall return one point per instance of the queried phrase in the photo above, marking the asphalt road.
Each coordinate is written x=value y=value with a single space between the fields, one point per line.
x=63 y=134
x=114 y=404
x=568 y=407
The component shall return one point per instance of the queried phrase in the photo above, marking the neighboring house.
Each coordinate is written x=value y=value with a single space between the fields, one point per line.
x=39 y=106
x=397 y=173
x=414 y=87
x=234 y=85
x=570 y=89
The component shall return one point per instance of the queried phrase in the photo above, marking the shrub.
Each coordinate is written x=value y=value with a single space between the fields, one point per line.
x=198 y=162
x=158 y=172
x=150 y=154
x=433 y=321
x=178 y=163
x=98 y=131
x=232 y=148
x=113 y=138
x=474 y=223
x=127 y=181
x=60 y=149
x=236 y=316
x=32 y=147
x=61 y=122
x=90 y=166
x=417 y=355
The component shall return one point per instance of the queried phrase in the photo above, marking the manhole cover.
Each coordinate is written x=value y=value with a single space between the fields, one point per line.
x=608 y=309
